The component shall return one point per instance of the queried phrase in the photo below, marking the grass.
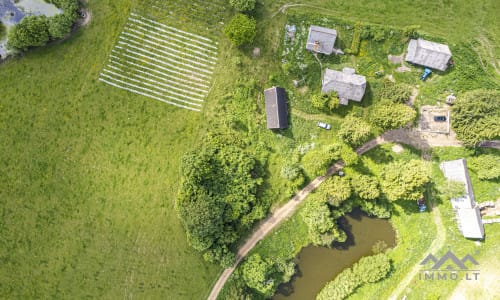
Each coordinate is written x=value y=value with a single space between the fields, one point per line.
x=90 y=173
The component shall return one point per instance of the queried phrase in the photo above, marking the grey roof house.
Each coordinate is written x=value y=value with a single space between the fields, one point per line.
x=276 y=108
x=428 y=54
x=321 y=39
x=469 y=219
x=347 y=84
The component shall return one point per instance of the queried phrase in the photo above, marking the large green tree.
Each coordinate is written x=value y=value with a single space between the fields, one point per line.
x=323 y=230
x=404 y=180
x=365 y=186
x=486 y=166
x=241 y=30
x=257 y=274
x=335 y=190
x=476 y=116
x=316 y=161
x=32 y=31
x=389 y=115
x=354 y=131
x=242 y=5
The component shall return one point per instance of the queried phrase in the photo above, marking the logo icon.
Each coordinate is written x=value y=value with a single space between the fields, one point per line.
x=449 y=267
x=450 y=262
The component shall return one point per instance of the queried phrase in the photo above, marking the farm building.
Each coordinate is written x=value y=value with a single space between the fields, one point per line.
x=276 y=108
x=466 y=210
x=347 y=84
x=428 y=54
x=321 y=39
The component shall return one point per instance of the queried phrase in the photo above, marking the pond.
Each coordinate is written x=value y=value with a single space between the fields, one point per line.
x=319 y=265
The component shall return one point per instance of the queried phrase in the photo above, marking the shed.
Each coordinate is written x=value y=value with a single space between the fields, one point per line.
x=321 y=39
x=276 y=108
x=465 y=207
x=347 y=84
x=428 y=54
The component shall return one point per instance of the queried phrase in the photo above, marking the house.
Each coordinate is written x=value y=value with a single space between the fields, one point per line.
x=276 y=108
x=347 y=84
x=465 y=207
x=321 y=40
x=428 y=54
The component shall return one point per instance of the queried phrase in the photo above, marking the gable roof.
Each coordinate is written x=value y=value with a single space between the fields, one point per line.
x=276 y=108
x=428 y=54
x=347 y=84
x=467 y=212
x=321 y=39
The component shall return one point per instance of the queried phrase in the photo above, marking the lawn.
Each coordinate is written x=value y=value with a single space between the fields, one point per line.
x=89 y=173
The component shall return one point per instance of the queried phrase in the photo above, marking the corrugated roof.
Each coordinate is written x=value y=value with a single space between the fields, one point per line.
x=276 y=108
x=428 y=54
x=321 y=39
x=349 y=86
x=467 y=211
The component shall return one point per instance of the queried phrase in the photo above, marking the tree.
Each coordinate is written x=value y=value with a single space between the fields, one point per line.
x=60 y=26
x=476 y=116
x=354 y=131
x=342 y=286
x=365 y=186
x=389 y=115
x=396 y=92
x=321 y=227
x=335 y=190
x=486 y=166
x=404 y=179
x=371 y=269
x=324 y=101
x=241 y=30
x=32 y=31
x=319 y=101
x=316 y=161
x=242 y=5
x=257 y=275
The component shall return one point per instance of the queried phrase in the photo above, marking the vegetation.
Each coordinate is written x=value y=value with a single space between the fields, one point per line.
x=335 y=190
x=389 y=115
x=241 y=30
x=354 y=131
x=323 y=230
x=242 y=5
x=453 y=189
x=368 y=270
x=364 y=186
x=396 y=92
x=486 y=166
x=404 y=180
x=476 y=116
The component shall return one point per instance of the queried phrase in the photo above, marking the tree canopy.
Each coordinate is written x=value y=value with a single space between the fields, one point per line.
x=217 y=200
x=487 y=166
x=323 y=230
x=335 y=190
x=389 y=115
x=241 y=30
x=476 y=116
x=404 y=180
x=242 y=5
x=365 y=186
x=32 y=31
x=354 y=131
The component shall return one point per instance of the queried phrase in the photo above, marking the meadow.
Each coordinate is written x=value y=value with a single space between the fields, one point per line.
x=89 y=173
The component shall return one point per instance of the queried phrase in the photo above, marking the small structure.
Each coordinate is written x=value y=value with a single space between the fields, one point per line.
x=321 y=40
x=428 y=54
x=347 y=84
x=465 y=207
x=290 y=31
x=276 y=108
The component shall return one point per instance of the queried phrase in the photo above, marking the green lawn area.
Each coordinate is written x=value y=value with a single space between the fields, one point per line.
x=89 y=173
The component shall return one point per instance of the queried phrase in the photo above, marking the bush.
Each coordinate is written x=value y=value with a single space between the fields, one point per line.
x=32 y=31
x=388 y=115
x=356 y=39
x=354 y=131
x=241 y=30
x=242 y=5
x=316 y=161
x=486 y=166
x=323 y=230
x=401 y=180
x=396 y=92
x=59 y=26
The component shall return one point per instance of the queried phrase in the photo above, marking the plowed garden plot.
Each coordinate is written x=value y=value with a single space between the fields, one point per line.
x=162 y=62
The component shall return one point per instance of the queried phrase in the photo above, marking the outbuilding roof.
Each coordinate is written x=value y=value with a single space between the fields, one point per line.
x=321 y=39
x=428 y=54
x=467 y=212
x=347 y=84
x=276 y=108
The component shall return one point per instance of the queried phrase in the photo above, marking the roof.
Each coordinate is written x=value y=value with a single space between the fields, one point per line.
x=468 y=216
x=347 y=84
x=428 y=54
x=276 y=108
x=321 y=39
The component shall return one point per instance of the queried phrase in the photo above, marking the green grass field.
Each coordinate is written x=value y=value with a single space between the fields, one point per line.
x=89 y=173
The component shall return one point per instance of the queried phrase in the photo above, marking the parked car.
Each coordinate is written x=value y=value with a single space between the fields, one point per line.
x=324 y=125
x=439 y=118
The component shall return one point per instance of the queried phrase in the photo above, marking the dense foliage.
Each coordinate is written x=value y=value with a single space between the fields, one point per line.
x=35 y=31
x=368 y=270
x=354 y=131
x=316 y=161
x=326 y=102
x=322 y=228
x=242 y=5
x=389 y=115
x=241 y=30
x=365 y=186
x=487 y=166
x=264 y=275
x=217 y=201
x=335 y=190
x=404 y=180
x=476 y=116
x=396 y=92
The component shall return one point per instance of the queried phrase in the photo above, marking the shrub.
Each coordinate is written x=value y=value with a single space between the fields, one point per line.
x=396 y=92
x=388 y=115
x=32 y=31
x=402 y=180
x=241 y=30
x=356 y=38
x=486 y=166
x=242 y=5
x=354 y=131
x=323 y=230
x=59 y=26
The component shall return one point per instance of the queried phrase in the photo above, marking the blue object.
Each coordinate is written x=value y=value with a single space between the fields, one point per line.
x=427 y=73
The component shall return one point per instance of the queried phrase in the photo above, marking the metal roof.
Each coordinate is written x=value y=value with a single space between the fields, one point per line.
x=321 y=39
x=347 y=84
x=276 y=108
x=428 y=54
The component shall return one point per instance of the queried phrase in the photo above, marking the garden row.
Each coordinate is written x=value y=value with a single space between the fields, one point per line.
x=162 y=62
